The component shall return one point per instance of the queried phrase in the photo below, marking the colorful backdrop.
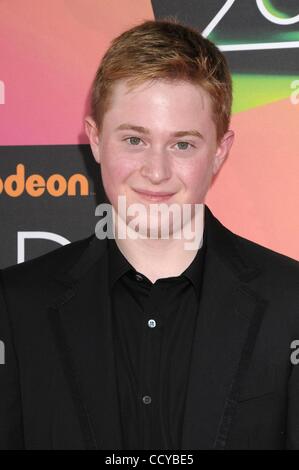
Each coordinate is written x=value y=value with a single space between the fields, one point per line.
x=49 y=52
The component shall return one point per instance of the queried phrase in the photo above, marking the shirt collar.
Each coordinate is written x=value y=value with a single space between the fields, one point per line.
x=119 y=265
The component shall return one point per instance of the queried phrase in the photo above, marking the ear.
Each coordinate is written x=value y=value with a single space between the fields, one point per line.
x=92 y=133
x=222 y=151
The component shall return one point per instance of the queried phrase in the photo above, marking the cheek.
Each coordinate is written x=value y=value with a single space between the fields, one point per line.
x=116 y=169
x=195 y=175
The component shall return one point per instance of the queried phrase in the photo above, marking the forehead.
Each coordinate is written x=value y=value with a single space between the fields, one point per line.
x=163 y=107
x=161 y=92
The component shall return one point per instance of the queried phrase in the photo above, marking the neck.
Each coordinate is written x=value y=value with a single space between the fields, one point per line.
x=160 y=258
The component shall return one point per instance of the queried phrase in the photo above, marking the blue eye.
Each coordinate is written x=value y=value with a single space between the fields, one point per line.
x=134 y=139
x=186 y=144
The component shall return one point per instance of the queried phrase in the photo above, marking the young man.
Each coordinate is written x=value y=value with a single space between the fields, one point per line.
x=141 y=341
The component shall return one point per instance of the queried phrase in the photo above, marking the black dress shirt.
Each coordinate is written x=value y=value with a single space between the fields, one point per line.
x=153 y=327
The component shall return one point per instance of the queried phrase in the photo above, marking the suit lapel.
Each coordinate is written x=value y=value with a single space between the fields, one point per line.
x=81 y=324
x=227 y=326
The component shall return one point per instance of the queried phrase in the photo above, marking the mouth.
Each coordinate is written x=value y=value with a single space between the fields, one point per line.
x=155 y=196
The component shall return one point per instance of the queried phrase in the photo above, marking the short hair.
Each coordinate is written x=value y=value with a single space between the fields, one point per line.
x=164 y=49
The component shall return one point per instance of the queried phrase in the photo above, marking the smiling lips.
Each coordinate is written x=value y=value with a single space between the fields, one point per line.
x=154 y=195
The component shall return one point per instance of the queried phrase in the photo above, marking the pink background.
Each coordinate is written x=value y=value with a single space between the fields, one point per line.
x=50 y=51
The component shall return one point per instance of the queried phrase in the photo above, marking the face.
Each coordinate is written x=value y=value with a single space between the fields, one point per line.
x=158 y=144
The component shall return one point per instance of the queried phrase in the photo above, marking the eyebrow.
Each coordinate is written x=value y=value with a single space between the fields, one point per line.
x=144 y=130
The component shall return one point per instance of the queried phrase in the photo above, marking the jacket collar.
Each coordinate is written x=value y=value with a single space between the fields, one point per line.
x=230 y=313
x=220 y=239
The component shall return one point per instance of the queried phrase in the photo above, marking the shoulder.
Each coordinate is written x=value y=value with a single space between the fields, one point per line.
x=43 y=267
x=277 y=280
x=242 y=254
x=267 y=260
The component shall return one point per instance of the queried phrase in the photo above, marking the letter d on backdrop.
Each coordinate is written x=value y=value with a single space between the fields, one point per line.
x=22 y=236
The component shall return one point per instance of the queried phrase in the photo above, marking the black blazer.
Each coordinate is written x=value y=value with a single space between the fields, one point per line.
x=57 y=385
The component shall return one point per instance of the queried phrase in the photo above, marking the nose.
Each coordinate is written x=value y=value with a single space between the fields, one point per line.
x=156 y=166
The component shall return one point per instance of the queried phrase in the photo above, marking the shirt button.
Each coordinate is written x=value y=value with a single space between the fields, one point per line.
x=151 y=323
x=138 y=277
x=146 y=399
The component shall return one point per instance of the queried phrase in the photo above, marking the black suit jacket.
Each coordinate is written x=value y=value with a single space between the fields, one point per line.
x=57 y=386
